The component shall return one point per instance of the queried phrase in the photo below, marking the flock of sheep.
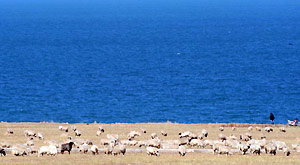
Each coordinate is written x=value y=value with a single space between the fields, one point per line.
x=244 y=144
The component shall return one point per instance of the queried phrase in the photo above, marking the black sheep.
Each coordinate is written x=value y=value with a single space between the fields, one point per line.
x=66 y=147
x=2 y=152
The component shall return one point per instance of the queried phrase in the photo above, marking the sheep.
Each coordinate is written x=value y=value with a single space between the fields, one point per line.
x=141 y=143
x=43 y=150
x=40 y=136
x=181 y=150
x=233 y=128
x=119 y=149
x=109 y=149
x=268 y=129
x=52 y=150
x=243 y=148
x=84 y=148
x=208 y=142
x=133 y=134
x=30 y=143
x=9 y=131
x=258 y=129
x=73 y=127
x=232 y=137
x=132 y=142
x=224 y=150
x=249 y=135
x=105 y=141
x=95 y=149
x=67 y=147
x=295 y=146
x=184 y=134
x=152 y=151
x=98 y=133
x=153 y=135
x=5 y=145
x=263 y=136
x=204 y=132
x=18 y=151
x=164 y=133
x=2 y=152
x=64 y=128
x=197 y=143
x=244 y=137
x=89 y=142
x=184 y=141
x=143 y=130
x=250 y=128
x=29 y=133
x=282 y=129
x=255 y=149
x=286 y=151
x=154 y=143
x=101 y=129
x=77 y=133
x=221 y=129
x=222 y=137
x=33 y=149
x=271 y=148
x=113 y=137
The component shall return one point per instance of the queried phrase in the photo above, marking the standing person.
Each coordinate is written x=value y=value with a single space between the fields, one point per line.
x=272 y=117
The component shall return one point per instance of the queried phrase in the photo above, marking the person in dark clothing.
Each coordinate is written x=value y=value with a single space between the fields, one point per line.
x=272 y=117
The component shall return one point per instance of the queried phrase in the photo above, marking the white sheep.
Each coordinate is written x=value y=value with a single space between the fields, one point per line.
x=52 y=150
x=153 y=135
x=181 y=150
x=77 y=132
x=43 y=150
x=255 y=149
x=100 y=128
x=152 y=151
x=282 y=129
x=40 y=136
x=164 y=133
x=84 y=148
x=98 y=133
x=95 y=149
x=63 y=128
x=258 y=129
x=221 y=129
x=250 y=128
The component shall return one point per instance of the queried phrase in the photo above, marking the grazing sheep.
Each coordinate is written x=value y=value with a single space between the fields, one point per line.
x=77 y=133
x=89 y=142
x=67 y=147
x=233 y=128
x=98 y=133
x=164 y=133
x=263 y=136
x=153 y=135
x=224 y=150
x=109 y=149
x=244 y=137
x=9 y=131
x=282 y=129
x=40 y=136
x=184 y=141
x=5 y=145
x=249 y=135
x=29 y=133
x=30 y=143
x=250 y=128
x=154 y=143
x=52 y=150
x=221 y=129
x=268 y=129
x=208 y=142
x=286 y=151
x=258 y=129
x=18 y=151
x=33 y=149
x=64 y=128
x=141 y=143
x=271 y=148
x=255 y=149
x=243 y=148
x=43 y=150
x=204 y=132
x=132 y=134
x=73 y=127
x=181 y=150
x=295 y=146
x=184 y=134
x=143 y=130
x=113 y=137
x=95 y=149
x=197 y=143
x=132 y=142
x=84 y=148
x=119 y=149
x=152 y=151
x=232 y=137
x=101 y=129
x=105 y=141
x=2 y=152
x=222 y=137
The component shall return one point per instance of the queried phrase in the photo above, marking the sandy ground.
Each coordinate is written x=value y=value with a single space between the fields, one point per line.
x=51 y=132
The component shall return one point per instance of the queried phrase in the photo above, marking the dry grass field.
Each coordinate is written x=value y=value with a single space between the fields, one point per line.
x=51 y=132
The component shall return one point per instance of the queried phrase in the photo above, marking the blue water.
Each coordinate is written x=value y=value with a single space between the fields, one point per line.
x=186 y=61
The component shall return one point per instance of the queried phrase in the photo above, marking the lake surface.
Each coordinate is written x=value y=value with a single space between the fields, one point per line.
x=186 y=61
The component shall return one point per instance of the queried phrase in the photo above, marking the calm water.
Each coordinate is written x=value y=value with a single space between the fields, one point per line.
x=187 y=61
